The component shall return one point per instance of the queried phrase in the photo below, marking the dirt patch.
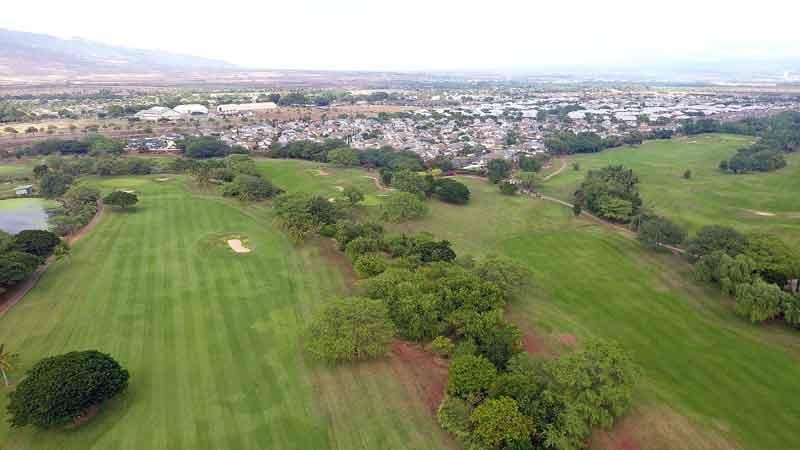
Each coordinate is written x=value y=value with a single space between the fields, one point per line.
x=421 y=372
x=659 y=428
x=335 y=258
x=568 y=340
x=237 y=246
x=323 y=172
x=85 y=417
x=535 y=345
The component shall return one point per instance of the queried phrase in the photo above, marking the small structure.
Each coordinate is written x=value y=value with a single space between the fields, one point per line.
x=192 y=110
x=158 y=113
x=26 y=189
x=245 y=108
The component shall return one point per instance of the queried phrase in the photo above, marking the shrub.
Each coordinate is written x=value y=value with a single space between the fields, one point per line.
x=328 y=230
x=470 y=377
x=443 y=346
x=453 y=415
x=250 y=187
x=343 y=157
x=508 y=188
x=369 y=265
x=711 y=238
x=61 y=388
x=497 y=423
x=655 y=231
x=361 y=246
x=350 y=329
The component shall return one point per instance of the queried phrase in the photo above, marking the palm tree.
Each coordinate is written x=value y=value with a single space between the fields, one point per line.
x=6 y=362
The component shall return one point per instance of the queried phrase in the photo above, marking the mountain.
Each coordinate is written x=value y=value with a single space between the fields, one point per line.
x=30 y=54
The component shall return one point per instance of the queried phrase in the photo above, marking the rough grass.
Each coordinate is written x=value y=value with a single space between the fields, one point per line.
x=212 y=339
x=710 y=196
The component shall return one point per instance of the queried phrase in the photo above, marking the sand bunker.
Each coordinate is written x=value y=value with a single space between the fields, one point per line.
x=236 y=245
x=322 y=172
x=339 y=188
x=128 y=191
x=761 y=213
x=162 y=179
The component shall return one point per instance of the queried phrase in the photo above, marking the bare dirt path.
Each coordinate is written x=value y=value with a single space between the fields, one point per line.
x=378 y=183
x=560 y=169
x=15 y=295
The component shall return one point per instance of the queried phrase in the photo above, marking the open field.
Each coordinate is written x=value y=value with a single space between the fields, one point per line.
x=211 y=337
x=710 y=196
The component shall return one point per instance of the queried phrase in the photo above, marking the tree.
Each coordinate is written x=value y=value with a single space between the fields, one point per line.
x=369 y=265
x=655 y=231
x=54 y=184
x=498 y=423
x=121 y=199
x=204 y=147
x=403 y=206
x=508 y=188
x=498 y=169
x=7 y=361
x=60 y=388
x=772 y=258
x=350 y=329
x=250 y=187
x=610 y=192
x=353 y=195
x=344 y=157
x=759 y=301
x=470 y=377
x=408 y=181
x=687 y=174
x=16 y=266
x=528 y=180
x=36 y=242
x=716 y=237
x=530 y=164
x=451 y=191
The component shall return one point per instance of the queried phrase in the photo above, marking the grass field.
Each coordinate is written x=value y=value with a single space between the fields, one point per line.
x=211 y=338
x=710 y=196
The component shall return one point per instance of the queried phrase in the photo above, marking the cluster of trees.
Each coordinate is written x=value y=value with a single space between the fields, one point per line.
x=423 y=186
x=55 y=175
x=338 y=152
x=752 y=268
x=78 y=206
x=207 y=147
x=568 y=142
x=759 y=157
x=237 y=174
x=59 y=389
x=22 y=253
x=93 y=144
x=611 y=193
x=301 y=215
x=537 y=403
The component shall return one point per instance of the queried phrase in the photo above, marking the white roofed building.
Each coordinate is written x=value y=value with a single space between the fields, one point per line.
x=157 y=113
x=245 y=108
x=192 y=109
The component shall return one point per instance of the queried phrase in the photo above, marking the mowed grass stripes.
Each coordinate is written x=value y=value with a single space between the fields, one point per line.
x=212 y=339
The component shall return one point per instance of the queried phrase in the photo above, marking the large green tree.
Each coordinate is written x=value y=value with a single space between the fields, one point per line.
x=497 y=423
x=60 y=388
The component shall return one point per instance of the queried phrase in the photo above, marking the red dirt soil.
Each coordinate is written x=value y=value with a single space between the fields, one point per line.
x=421 y=372
x=534 y=345
x=568 y=339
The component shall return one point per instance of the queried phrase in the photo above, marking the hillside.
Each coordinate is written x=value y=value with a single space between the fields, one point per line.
x=31 y=54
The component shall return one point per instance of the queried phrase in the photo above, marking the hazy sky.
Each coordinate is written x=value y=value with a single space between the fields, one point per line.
x=427 y=34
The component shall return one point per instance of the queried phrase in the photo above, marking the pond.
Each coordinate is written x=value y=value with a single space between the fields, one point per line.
x=19 y=214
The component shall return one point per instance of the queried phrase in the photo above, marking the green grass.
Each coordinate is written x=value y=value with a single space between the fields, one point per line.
x=698 y=357
x=212 y=339
x=316 y=178
x=710 y=196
